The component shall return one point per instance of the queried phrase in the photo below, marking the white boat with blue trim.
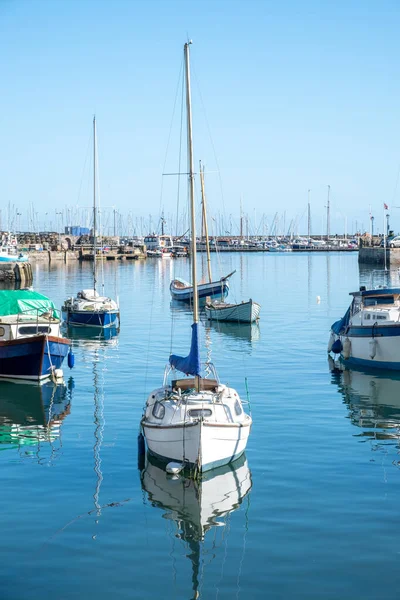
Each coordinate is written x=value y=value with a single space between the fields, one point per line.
x=195 y=421
x=183 y=290
x=369 y=333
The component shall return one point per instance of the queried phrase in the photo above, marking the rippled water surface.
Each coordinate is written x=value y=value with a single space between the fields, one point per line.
x=311 y=512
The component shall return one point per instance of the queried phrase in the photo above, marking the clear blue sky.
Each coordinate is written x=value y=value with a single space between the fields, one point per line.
x=297 y=95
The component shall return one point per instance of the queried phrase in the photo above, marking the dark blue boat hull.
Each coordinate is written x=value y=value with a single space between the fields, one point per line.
x=33 y=357
x=91 y=318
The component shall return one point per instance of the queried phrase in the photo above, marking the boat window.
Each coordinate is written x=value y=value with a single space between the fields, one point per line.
x=200 y=412
x=381 y=317
x=2 y=331
x=33 y=329
x=367 y=316
x=238 y=408
x=158 y=410
x=374 y=301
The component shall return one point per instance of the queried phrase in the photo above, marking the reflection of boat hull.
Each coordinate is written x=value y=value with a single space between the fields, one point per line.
x=91 y=318
x=30 y=413
x=95 y=334
x=243 y=331
x=185 y=293
x=200 y=502
x=32 y=357
x=13 y=259
x=246 y=312
x=202 y=444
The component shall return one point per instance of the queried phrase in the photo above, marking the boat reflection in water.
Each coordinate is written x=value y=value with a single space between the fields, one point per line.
x=249 y=332
x=197 y=506
x=373 y=399
x=108 y=335
x=31 y=414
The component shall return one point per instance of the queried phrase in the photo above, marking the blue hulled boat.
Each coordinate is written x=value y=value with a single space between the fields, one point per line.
x=31 y=346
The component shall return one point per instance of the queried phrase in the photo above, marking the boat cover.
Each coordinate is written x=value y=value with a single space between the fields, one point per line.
x=190 y=365
x=339 y=327
x=14 y=302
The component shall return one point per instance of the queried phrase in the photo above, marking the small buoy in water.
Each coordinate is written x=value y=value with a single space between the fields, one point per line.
x=174 y=468
x=58 y=373
x=318 y=299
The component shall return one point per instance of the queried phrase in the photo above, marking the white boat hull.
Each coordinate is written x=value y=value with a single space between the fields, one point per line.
x=203 y=444
x=383 y=353
x=246 y=312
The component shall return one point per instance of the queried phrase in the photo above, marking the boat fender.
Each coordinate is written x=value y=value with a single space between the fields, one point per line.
x=331 y=340
x=346 y=348
x=337 y=347
x=372 y=348
x=58 y=374
x=174 y=468
x=141 y=451
x=71 y=359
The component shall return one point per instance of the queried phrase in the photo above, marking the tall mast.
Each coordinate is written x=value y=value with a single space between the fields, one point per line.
x=328 y=217
x=191 y=183
x=309 y=216
x=94 y=206
x=203 y=202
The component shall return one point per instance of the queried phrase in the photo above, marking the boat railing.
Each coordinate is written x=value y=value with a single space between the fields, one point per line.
x=38 y=319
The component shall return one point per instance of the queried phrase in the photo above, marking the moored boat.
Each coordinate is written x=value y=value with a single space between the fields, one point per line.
x=245 y=312
x=183 y=291
x=31 y=345
x=369 y=333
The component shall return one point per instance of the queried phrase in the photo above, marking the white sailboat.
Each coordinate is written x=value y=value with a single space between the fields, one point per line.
x=196 y=421
x=89 y=308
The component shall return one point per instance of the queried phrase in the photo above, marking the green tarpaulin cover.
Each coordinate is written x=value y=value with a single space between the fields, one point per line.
x=13 y=302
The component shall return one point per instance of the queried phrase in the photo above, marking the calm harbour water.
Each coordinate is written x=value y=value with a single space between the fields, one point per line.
x=313 y=511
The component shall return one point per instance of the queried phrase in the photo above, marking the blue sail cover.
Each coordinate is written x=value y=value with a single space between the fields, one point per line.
x=190 y=365
x=339 y=327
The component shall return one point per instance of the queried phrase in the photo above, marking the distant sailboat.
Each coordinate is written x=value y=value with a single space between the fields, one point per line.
x=196 y=421
x=88 y=308
x=219 y=310
x=182 y=290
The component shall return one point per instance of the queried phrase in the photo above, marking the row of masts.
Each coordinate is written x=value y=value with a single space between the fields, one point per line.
x=112 y=223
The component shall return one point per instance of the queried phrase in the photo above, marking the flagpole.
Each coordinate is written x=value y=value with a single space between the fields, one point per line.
x=384 y=237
